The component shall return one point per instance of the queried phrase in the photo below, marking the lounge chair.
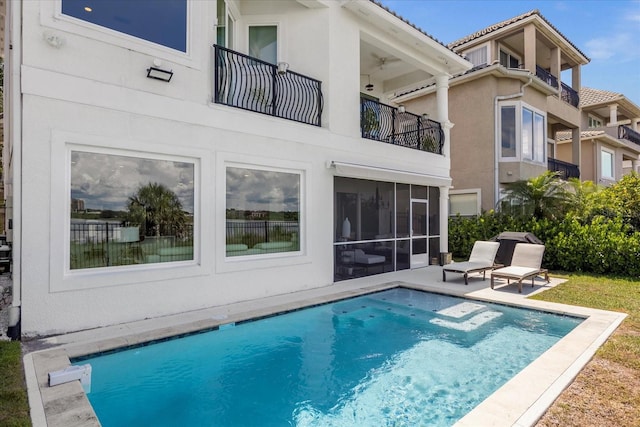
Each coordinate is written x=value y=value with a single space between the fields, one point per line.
x=480 y=260
x=526 y=262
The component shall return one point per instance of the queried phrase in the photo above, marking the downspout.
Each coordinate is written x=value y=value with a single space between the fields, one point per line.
x=496 y=132
x=13 y=47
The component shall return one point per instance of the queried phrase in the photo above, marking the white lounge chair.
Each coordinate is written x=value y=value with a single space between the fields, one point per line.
x=526 y=263
x=480 y=260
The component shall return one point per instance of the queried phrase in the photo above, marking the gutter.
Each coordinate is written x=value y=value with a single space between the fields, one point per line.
x=496 y=132
x=13 y=48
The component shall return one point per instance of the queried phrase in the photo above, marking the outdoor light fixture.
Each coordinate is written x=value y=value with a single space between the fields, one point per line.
x=159 y=74
x=369 y=86
x=401 y=108
x=425 y=117
x=282 y=68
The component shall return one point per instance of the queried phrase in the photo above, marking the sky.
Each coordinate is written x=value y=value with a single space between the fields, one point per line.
x=606 y=31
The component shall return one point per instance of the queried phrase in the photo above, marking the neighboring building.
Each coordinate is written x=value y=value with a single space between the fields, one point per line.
x=509 y=109
x=266 y=164
x=610 y=137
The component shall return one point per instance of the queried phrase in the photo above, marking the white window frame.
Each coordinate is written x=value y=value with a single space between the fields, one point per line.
x=502 y=48
x=61 y=277
x=594 y=122
x=487 y=49
x=277 y=259
x=51 y=16
x=613 y=164
x=519 y=106
x=267 y=21
x=231 y=14
x=476 y=191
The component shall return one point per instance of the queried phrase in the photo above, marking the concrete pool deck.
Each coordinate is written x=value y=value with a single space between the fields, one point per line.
x=520 y=402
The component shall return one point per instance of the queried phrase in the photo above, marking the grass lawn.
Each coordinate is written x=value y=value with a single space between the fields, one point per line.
x=14 y=406
x=605 y=393
x=607 y=390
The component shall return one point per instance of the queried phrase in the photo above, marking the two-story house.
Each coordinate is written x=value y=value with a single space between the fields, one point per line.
x=509 y=109
x=610 y=137
x=165 y=156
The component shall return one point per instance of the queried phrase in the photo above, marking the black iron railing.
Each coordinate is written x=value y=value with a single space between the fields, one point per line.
x=389 y=124
x=105 y=244
x=255 y=85
x=565 y=170
x=569 y=95
x=625 y=132
x=546 y=76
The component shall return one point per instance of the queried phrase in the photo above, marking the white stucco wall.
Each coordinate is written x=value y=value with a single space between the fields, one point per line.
x=92 y=93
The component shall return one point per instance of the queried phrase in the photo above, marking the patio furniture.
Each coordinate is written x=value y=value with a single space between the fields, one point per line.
x=480 y=260
x=526 y=262
x=368 y=260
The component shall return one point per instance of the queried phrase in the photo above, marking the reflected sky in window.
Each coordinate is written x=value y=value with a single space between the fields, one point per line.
x=159 y=21
x=106 y=181
x=261 y=190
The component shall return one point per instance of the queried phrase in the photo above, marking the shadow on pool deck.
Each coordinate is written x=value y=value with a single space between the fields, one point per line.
x=520 y=402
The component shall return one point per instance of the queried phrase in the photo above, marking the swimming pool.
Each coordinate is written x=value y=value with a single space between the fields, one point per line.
x=398 y=356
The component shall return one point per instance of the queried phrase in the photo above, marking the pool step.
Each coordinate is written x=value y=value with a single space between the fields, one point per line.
x=461 y=310
x=470 y=324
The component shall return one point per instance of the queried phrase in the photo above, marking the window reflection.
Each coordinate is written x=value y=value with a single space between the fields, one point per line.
x=129 y=210
x=262 y=212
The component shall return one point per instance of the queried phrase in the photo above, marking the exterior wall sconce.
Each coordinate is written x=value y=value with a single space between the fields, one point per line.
x=425 y=117
x=159 y=74
x=401 y=109
x=282 y=68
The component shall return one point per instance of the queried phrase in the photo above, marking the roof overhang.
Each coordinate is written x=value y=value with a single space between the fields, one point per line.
x=376 y=173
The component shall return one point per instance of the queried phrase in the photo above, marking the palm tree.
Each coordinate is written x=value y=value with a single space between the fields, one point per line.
x=543 y=196
x=157 y=209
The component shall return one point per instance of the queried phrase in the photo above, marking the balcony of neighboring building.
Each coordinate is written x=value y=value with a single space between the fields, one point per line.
x=565 y=170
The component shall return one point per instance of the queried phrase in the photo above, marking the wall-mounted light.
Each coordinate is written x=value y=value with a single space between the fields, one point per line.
x=159 y=74
x=401 y=108
x=369 y=86
x=282 y=68
x=425 y=117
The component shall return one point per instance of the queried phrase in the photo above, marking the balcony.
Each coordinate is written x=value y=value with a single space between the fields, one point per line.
x=568 y=95
x=565 y=170
x=625 y=132
x=252 y=84
x=392 y=125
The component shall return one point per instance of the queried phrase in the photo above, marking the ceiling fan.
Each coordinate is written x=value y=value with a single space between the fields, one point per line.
x=384 y=60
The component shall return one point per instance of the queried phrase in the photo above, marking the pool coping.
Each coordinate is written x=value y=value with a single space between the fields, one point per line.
x=520 y=402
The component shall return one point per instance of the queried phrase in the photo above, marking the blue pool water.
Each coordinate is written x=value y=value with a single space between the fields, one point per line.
x=393 y=358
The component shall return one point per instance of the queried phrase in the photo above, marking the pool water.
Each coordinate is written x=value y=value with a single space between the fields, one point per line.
x=394 y=358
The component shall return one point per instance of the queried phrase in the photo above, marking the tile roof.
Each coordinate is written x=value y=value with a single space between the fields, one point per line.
x=490 y=29
x=590 y=96
x=566 y=135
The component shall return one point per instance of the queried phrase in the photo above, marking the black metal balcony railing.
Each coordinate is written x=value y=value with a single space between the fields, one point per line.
x=385 y=123
x=625 y=132
x=564 y=169
x=255 y=85
x=569 y=95
x=546 y=76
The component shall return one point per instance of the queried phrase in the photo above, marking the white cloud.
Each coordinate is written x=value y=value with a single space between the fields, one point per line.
x=622 y=46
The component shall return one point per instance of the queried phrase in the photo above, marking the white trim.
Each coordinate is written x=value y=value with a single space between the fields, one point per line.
x=486 y=46
x=519 y=107
x=267 y=21
x=226 y=264
x=64 y=279
x=376 y=173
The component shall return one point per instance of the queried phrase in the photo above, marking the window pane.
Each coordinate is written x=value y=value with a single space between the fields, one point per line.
x=539 y=138
x=263 y=43
x=607 y=164
x=504 y=59
x=527 y=134
x=508 y=135
x=262 y=211
x=463 y=204
x=159 y=21
x=402 y=210
x=129 y=210
x=434 y=211
x=477 y=56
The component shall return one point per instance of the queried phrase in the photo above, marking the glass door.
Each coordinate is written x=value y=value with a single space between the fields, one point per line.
x=419 y=233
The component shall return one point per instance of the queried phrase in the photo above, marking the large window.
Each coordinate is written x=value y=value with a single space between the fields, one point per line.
x=606 y=164
x=464 y=202
x=508 y=59
x=478 y=56
x=262 y=211
x=129 y=210
x=522 y=133
x=163 y=22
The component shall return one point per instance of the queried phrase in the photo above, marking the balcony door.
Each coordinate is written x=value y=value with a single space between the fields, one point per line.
x=419 y=233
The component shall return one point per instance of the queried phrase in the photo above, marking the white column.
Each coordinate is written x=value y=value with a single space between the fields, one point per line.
x=442 y=97
x=444 y=219
x=613 y=115
x=634 y=123
x=634 y=166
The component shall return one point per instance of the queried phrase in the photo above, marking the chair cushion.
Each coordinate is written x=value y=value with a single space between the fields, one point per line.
x=514 y=272
x=468 y=266
x=362 y=258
